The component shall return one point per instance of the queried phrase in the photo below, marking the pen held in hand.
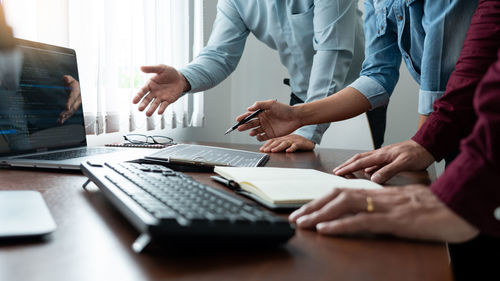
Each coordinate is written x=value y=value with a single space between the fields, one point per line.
x=243 y=121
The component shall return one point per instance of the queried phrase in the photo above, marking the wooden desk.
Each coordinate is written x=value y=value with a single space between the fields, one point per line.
x=92 y=241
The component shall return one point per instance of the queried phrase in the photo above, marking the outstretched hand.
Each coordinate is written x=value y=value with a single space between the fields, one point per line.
x=289 y=143
x=387 y=161
x=277 y=120
x=161 y=90
x=410 y=212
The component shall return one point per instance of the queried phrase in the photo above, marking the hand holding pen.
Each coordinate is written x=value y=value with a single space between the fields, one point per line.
x=244 y=120
x=274 y=120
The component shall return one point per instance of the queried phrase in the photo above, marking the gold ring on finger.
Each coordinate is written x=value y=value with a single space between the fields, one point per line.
x=369 y=204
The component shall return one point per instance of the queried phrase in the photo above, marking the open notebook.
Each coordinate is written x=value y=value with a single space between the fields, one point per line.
x=287 y=188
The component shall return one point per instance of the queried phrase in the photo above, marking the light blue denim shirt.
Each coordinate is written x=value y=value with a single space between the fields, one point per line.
x=427 y=35
x=320 y=42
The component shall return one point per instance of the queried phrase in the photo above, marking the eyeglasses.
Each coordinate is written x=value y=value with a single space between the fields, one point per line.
x=144 y=139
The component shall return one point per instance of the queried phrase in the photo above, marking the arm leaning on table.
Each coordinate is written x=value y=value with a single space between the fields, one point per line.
x=462 y=202
x=453 y=117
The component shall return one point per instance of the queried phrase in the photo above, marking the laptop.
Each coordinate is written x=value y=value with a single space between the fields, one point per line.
x=41 y=117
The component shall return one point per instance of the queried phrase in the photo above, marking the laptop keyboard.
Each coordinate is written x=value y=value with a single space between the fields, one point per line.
x=211 y=154
x=70 y=154
x=184 y=207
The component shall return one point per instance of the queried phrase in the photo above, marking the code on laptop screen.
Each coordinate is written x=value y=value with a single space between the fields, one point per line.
x=40 y=99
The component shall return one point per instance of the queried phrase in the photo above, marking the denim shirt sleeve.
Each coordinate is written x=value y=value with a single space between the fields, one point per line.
x=380 y=71
x=334 y=39
x=223 y=51
x=445 y=24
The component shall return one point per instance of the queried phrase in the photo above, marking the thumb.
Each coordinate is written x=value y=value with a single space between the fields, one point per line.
x=153 y=68
x=262 y=105
x=386 y=172
x=68 y=79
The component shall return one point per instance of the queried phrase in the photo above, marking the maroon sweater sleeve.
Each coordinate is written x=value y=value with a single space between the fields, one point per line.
x=454 y=117
x=471 y=183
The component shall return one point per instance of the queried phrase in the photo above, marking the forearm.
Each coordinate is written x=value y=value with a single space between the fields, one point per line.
x=210 y=68
x=380 y=69
x=469 y=185
x=453 y=117
x=223 y=51
x=342 y=105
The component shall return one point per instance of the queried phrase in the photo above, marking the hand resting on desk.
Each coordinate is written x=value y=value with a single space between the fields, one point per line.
x=289 y=143
x=409 y=212
x=387 y=161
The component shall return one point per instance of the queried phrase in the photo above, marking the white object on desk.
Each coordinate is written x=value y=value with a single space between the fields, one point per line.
x=289 y=185
x=23 y=213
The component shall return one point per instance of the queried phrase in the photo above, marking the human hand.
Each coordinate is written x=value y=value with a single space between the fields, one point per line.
x=409 y=212
x=162 y=89
x=289 y=143
x=278 y=119
x=74 y=98
x=6 y=38
x=387 y=161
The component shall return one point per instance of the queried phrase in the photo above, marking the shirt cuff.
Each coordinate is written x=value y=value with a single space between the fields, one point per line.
x=313 y=133
x=191 y=78
x=372 y=90
x=426 y=100
x=438 y=137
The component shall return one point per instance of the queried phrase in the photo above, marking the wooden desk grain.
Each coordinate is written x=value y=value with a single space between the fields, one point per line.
x=92 y=241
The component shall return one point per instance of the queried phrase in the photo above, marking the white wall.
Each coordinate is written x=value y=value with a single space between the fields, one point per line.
x=402 y=116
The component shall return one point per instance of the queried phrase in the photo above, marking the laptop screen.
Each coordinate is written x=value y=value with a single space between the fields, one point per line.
x=40 y=101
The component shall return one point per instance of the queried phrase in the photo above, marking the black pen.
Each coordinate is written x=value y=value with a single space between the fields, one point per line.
x=229 y=183
x=243 y=121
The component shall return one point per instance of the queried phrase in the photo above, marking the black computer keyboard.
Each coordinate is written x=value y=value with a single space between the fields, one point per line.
x=70 y=154
x=169 y=206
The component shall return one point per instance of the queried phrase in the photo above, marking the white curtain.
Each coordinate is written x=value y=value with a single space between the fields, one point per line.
x=112 y=39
